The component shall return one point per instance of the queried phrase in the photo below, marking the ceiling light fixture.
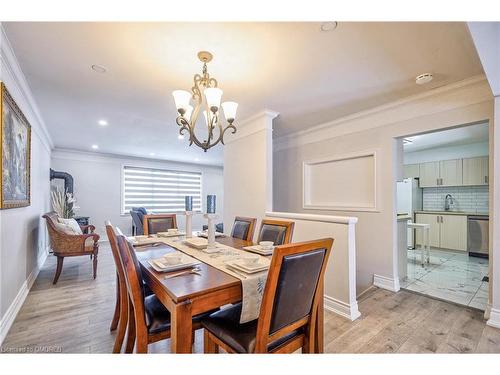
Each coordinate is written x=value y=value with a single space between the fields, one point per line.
x=424 y=78
x=95 y=147
x=204 y=93
x=99 y=68
x=407 y=141
x=102 y=122
x=329 y=26
x=152 y=154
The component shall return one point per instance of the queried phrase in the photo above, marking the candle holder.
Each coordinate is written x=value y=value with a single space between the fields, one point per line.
x=211 y=229
x=189 y=224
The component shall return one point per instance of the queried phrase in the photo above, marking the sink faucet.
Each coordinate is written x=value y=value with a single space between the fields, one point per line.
x=448 y=201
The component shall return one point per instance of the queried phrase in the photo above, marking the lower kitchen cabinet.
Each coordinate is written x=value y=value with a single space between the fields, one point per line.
x=446 y=231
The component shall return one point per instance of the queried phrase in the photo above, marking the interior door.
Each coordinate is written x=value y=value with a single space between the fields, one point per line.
x=450 y=172
x=429 y=174
x=454 y=232
x=434 y=231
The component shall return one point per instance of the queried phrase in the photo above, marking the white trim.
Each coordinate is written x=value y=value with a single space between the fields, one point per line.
x=332 y=206
x=417 y=104
x=387 y=283
x=252 y=125
x=494 y=320
x=349 y=311
x=11 y=313
x=312 y=217
x=21 y=92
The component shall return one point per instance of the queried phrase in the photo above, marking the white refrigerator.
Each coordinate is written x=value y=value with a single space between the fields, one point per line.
x=409 y=200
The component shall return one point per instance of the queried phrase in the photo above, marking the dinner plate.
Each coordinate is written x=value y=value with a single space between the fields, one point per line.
x=186 y=262
x=259 y=250
x=260 y=266
x=166 y=234
x=197 y=242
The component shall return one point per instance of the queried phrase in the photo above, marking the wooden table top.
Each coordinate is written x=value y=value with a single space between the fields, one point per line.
x=188 y=286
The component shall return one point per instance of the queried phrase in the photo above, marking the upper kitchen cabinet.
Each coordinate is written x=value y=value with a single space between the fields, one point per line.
x=411 y=171
x=429 y=174
x=475 y=171
x=441 y=173
x=450 y=172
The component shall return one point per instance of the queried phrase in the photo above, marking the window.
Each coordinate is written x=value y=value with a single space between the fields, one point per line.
x=159 y=190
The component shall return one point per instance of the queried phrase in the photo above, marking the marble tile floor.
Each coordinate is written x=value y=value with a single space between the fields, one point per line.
x=450 y=276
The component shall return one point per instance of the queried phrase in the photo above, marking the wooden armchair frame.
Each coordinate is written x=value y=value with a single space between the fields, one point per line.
x=289 y=225
x=146 y=218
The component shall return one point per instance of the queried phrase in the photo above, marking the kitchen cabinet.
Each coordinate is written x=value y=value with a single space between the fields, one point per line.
x=411 y=170
x=450 y=172
x=429 y=174
x=475 y=171
x=446 y=231
x=433 y=221
x=441 y=173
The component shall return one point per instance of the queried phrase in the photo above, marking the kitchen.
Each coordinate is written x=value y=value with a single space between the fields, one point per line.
x=443 y=215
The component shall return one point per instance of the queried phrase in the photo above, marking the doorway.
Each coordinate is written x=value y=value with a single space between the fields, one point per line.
x=443 y=213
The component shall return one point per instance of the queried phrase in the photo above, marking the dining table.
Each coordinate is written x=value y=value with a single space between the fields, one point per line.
x=196 y=293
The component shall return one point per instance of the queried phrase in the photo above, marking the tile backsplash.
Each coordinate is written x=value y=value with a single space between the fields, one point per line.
x=465 y=198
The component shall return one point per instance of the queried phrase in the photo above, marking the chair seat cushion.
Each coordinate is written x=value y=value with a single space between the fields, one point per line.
x=225 y=324
x=158 y=317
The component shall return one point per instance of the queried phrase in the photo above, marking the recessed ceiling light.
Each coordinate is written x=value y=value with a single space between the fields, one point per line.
x=180 y=136
x=95 y=147
x=102 y=122
x=196 y=159
x=152 y=154
x=329 y=26
x=424 y=78
x=99 y=68
x=407 y=141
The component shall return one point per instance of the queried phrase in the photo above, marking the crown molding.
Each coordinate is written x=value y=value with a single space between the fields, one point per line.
x=261 y=121
x=345 y=125
x=10 y=66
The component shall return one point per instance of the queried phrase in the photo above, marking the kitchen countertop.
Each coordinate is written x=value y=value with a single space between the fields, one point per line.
x=463 y=213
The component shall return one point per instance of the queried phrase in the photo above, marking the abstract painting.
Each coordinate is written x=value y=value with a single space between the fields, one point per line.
x=15 y=147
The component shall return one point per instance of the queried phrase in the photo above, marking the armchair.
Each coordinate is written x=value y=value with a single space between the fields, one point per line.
x=66 y=244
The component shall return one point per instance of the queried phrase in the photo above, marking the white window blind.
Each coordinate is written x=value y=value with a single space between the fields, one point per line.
x=160 y=190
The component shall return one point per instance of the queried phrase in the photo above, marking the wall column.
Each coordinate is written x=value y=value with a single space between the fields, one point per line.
x=248 y=169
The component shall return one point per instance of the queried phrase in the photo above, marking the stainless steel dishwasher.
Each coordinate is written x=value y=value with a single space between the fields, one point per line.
x=478 y=235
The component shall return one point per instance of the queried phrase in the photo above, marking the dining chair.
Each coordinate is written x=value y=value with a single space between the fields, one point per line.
x=148 y=319
x=243 y=228
x=289 y=309
x=153 y=224
x=280 y=232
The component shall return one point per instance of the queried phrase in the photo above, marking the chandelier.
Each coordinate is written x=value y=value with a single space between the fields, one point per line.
x=204 y=93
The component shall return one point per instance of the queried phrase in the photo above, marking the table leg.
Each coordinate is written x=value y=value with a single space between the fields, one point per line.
x=428 y=244
x=182 y=328
x=422 y=248
x=320 y=326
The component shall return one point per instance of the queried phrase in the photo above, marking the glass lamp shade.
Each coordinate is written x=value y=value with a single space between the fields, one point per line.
x=230 y=110
x=213 y=96
x=187 y=114
x=182 y=98
x=206 y=117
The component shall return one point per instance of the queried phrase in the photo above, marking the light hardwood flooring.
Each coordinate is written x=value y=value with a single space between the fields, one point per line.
x=74 y=316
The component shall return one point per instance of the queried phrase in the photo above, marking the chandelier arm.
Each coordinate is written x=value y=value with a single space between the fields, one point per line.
x=230 y=126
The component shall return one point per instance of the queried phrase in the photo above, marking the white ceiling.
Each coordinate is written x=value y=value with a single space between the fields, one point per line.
x=454 y=137
x=306 y=75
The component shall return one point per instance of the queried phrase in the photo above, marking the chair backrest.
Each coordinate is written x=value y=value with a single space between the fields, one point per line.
x=159 y=223
x=110 y=231
x=133 y=278
x=243 y=228
x=292 y=293
x=280 y=232
x=137 y=220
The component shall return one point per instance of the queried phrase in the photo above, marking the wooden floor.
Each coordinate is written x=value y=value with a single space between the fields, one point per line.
x=74 y=317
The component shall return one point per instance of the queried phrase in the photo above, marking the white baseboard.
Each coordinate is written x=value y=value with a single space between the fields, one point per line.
x=386 y=283
x=17 y=303
x=494 y=319
x=349 y=311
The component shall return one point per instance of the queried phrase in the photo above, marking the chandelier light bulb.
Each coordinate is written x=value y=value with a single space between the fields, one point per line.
x=213 y=96
x=230 y=110
x=182 y=98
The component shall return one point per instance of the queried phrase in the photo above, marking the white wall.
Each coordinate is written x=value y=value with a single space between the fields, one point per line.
x=377 y=129
x=446 y=153
x=98 y=185
x=23 y=236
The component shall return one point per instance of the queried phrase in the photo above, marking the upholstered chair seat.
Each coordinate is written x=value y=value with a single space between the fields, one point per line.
x=225 y=324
